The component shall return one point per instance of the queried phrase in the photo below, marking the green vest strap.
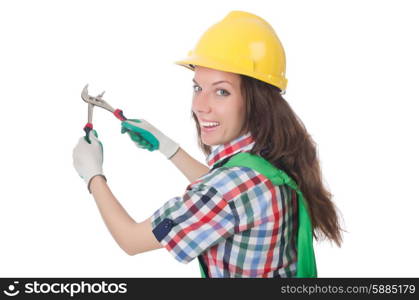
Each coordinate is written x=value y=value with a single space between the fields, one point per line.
x=306 y=261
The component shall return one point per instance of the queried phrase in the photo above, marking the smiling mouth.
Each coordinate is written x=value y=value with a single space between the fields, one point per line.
x=209 y=124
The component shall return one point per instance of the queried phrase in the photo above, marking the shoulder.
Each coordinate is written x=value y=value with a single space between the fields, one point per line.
x=226 y=179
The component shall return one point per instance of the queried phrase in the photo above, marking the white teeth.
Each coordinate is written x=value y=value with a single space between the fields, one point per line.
x=210 y=124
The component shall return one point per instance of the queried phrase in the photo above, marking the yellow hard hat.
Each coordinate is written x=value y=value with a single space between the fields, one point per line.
x=241 y=43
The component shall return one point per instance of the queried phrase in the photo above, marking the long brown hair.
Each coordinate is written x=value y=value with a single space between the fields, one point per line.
x=281 y=138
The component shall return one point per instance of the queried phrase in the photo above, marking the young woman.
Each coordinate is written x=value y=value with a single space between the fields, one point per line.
x=234 y=219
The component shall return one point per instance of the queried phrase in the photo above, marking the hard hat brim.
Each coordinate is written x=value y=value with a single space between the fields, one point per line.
x=193 y=61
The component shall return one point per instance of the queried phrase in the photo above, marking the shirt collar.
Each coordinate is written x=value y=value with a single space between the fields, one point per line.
x=242 y=143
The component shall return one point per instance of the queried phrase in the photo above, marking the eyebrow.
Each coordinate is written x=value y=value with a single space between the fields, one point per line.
x=221 y=81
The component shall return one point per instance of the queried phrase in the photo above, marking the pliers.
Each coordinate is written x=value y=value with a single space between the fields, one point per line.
x=97 y=101
x=144 y=139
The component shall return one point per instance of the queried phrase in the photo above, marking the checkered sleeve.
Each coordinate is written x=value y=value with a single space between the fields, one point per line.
x=187 y=226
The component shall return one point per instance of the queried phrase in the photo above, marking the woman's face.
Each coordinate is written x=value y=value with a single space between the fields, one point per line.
x=218 y=105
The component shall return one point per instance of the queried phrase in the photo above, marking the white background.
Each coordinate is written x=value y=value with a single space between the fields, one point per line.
x=353 y=80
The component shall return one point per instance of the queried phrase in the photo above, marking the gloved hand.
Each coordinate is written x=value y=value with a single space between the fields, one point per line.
x=148 y=137
x=88 y=158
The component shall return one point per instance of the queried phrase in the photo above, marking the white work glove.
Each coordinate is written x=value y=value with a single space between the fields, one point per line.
x=146 y=136
x=88 y=158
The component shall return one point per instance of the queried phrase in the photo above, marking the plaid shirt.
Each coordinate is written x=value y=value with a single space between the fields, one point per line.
x=234 y=219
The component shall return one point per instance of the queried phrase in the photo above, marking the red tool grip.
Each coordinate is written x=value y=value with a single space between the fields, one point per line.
x=87 y=128
x=118 y=113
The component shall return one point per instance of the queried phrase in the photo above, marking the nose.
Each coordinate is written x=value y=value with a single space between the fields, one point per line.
x=201 y=103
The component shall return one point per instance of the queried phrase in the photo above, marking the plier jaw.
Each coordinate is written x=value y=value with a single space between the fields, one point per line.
x=96 y=101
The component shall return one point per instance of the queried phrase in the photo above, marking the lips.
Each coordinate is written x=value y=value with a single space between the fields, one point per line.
x=208 y=125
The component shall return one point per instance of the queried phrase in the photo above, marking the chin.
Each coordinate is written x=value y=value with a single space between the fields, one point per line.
x=212 y=141
x=208 y=143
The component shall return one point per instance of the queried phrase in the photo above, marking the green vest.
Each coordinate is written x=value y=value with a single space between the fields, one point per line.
x=306 y=260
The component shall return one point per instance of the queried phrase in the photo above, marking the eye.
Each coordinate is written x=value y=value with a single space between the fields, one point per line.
x=222 y=92
x=196 y=88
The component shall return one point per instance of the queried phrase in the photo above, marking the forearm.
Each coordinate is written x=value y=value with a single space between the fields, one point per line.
x=190 y=167
x=117 y=220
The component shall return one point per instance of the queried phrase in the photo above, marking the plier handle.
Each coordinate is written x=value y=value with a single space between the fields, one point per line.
x=89 y=125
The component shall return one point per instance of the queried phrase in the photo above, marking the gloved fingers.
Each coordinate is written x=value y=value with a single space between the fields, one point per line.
x=93 y=135
x=134 y=130
x=144 y=139
x=78 y=148
x=142 y=133
x=123 y=129
x=131 y=124
x=135 y=137
x=140 y=141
